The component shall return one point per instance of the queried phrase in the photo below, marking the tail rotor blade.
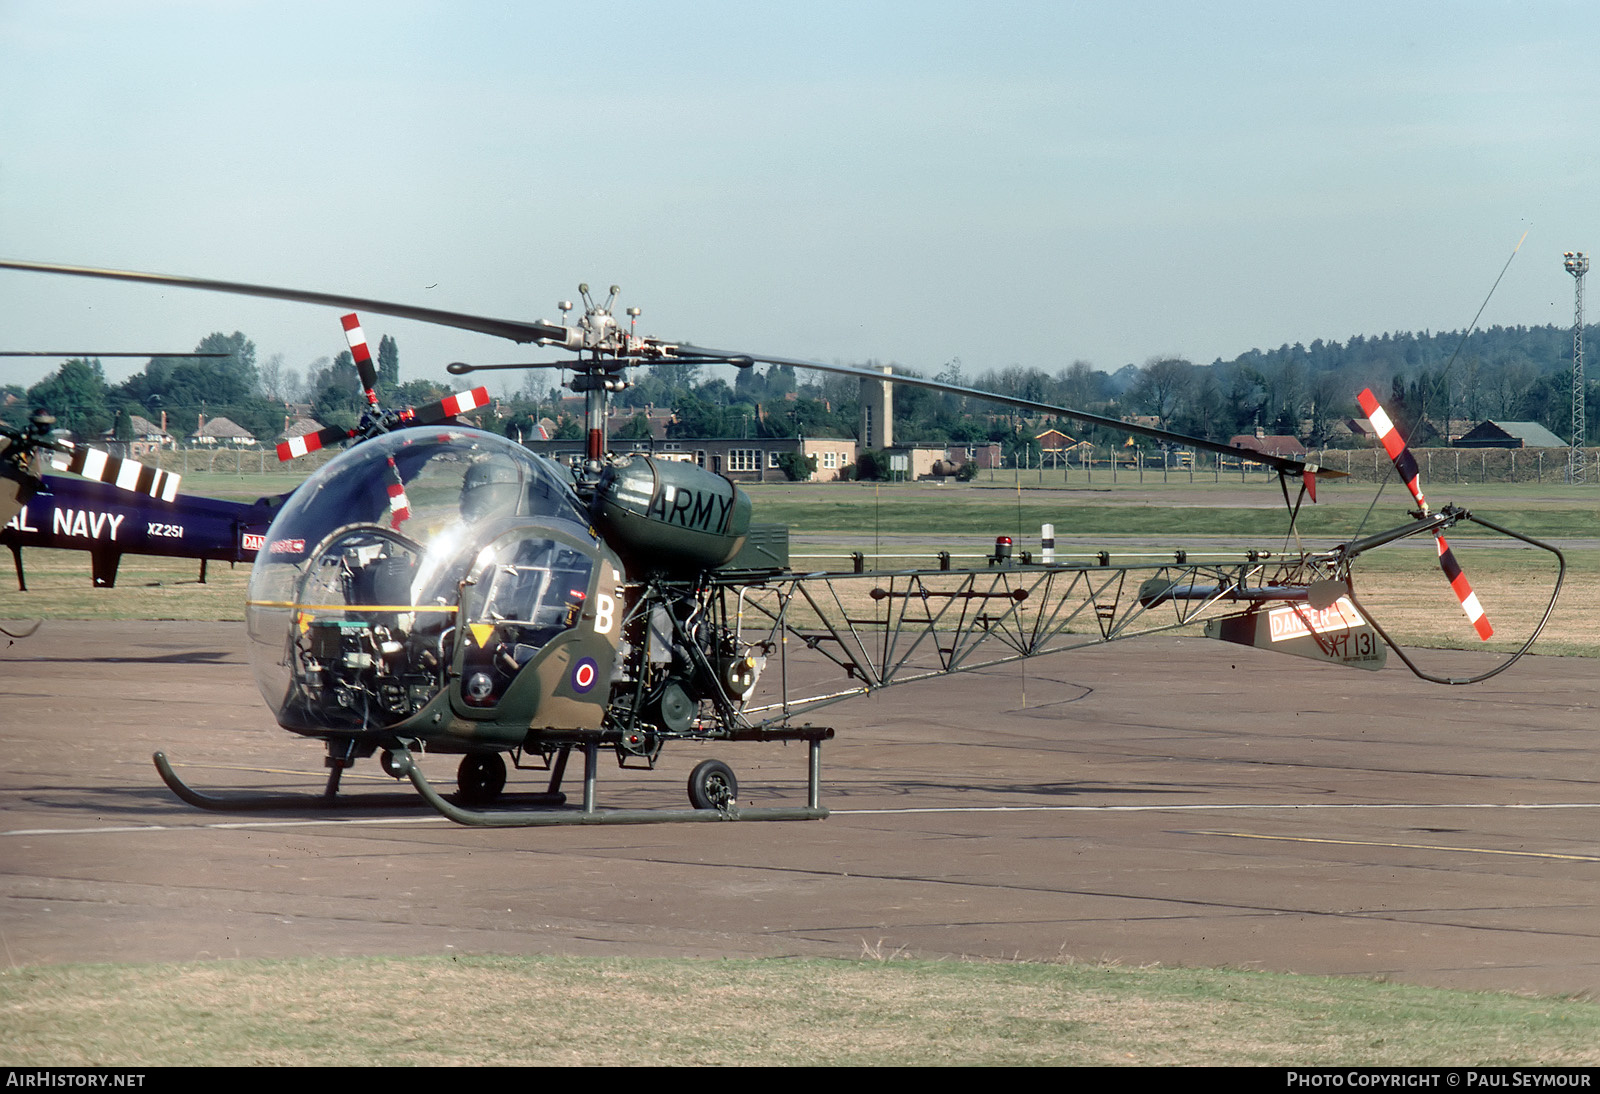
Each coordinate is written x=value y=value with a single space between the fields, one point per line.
x=399 y=504
x=459 y=403
x=357 y=339
x=295 y=447
x=1394 y=444
x=1463 y=590
x=1406 y=464
x=129 y=475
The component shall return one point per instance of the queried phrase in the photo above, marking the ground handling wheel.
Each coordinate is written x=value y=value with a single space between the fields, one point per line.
x=712 y=785
x=480 y=778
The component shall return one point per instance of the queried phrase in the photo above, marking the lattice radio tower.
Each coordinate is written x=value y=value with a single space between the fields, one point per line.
x=1577 y=264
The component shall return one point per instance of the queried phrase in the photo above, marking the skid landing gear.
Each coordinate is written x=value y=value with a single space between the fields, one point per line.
x=713 y=791
x=247 y=803
x=480 y=780
x=713 y=788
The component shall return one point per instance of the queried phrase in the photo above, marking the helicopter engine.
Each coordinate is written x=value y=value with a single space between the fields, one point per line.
x=684 y=671
x=371 y=666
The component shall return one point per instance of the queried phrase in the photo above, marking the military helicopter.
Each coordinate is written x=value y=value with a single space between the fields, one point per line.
x=116 y=506
x=24 y=452
x=108 y=522
x=442 y=589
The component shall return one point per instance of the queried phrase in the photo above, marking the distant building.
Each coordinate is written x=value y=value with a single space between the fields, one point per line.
x=221 y=431
x=1509 y=435
x=740 y=460
x=1053 y=440
x=1269 y=444
x=877 y=412
x=619 y=417
x=937 y=461
x=1056 y=447
x=144 y=437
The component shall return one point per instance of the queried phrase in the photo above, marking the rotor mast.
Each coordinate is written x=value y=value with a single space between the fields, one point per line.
x=1577 y=264
x=602 y=373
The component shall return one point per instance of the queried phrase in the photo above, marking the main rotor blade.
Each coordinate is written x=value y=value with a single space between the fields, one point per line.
x=550 y=333
x=114 y=353
x=514 y=329
x=1277 y=463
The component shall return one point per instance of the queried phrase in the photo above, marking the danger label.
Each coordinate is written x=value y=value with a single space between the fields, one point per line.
x=1286 y=623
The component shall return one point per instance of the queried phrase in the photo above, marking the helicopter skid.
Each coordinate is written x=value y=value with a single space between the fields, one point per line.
x=588 y=814
x=251 y=803
x=234 y=803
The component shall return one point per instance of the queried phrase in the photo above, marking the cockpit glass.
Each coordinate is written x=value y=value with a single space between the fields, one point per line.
x=356 y=596
x=532 y=590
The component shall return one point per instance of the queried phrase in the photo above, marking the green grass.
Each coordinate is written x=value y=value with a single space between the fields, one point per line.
x=241 y=487
x=59 y=587
x=1171 y=512
x=433 y=1011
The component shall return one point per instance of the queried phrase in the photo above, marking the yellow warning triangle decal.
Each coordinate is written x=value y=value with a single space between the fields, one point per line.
x=481 y=633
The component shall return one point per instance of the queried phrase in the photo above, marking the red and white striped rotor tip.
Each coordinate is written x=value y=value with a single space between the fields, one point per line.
x=361 y=355
x=463 y=401
x=1394 y=444
x=1463 y=590
x=293 y=447
x=129 y=475
x=399 y=504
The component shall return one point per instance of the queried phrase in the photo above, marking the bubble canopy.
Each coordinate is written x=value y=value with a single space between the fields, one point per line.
x=357 y=595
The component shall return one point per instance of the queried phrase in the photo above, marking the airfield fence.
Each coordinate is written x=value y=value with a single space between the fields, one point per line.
x=1438 y=465
x=231 y=461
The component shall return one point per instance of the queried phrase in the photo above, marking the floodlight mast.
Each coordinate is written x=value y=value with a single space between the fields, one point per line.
x=1577 y=264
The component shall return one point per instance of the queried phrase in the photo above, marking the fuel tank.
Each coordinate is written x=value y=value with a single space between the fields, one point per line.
x=668 y=517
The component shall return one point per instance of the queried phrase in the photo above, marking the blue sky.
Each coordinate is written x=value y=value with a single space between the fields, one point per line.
x=893 y=181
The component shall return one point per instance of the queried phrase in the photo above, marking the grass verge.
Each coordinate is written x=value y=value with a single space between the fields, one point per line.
x=913 y=508
x=436 y=1011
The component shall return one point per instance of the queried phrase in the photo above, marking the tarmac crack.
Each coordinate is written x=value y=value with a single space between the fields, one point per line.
x=1234 y=908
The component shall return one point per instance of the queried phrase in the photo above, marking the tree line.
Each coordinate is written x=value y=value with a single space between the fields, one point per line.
x=1437 y=383
x=232 y=385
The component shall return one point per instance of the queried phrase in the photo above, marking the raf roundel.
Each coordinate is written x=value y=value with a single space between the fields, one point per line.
x=583 y=675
